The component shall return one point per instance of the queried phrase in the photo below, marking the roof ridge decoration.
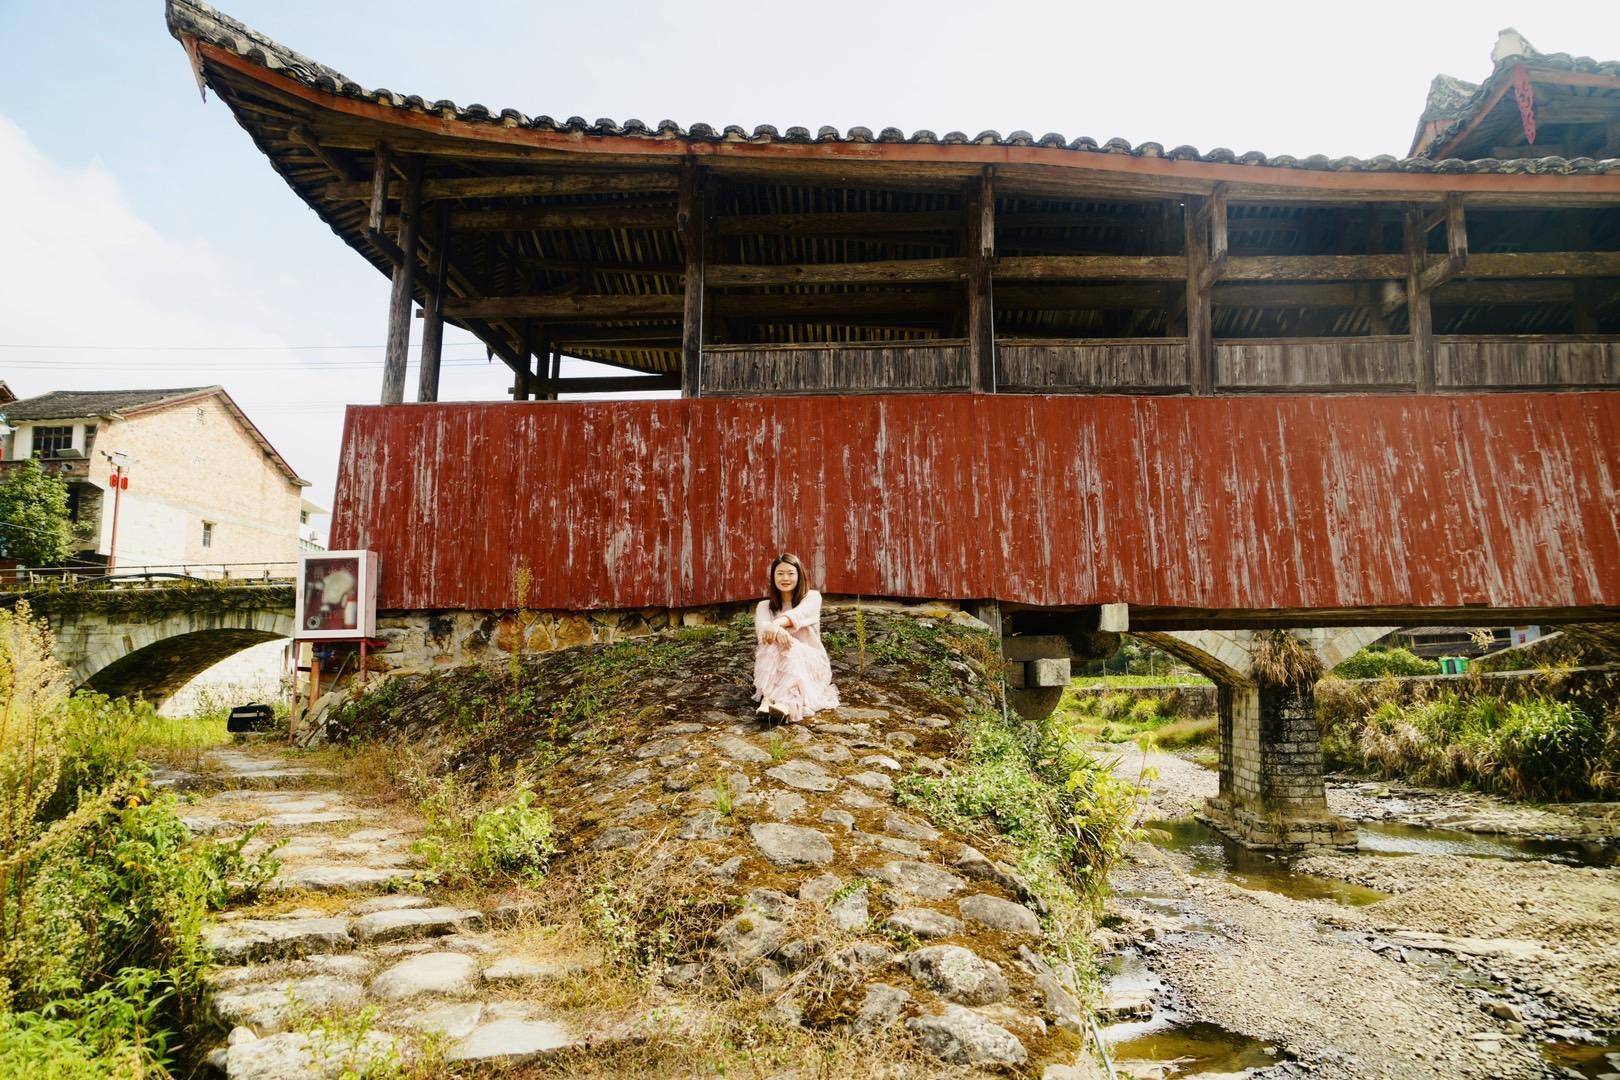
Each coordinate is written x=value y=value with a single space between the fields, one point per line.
x=192 y=19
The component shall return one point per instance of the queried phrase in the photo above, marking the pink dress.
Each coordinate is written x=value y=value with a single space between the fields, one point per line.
x=797 y=675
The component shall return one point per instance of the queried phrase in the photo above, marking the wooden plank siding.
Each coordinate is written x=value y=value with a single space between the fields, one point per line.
x=1226 y=503
x=1110 y=364
x=1477 y=362
x=1381 y=362
x=861 y=367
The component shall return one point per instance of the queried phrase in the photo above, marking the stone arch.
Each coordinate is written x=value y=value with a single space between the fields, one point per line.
x=154 y=659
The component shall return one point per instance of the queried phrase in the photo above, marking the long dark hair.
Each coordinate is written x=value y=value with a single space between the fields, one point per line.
x=774 y=595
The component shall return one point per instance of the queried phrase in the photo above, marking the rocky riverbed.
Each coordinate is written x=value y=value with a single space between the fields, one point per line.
x=1466 y=940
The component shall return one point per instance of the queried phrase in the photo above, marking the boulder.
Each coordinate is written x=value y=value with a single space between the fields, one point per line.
x=403 y=923
x=923 y=880
x=923 y=922
x=791 y=846
x=804 y=775
x=242 y=940
x=999 y=914
x=958 y=974
x=882 y=1006
x=963 y=1037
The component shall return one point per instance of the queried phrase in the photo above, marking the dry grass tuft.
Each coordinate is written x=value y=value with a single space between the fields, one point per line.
x=1281 y=659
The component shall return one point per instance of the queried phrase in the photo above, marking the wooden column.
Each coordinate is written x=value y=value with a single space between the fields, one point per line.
x=689 y=223
x=379 y=187
x=1200 y=328
x=1420 y=320
x=980 y=249
x=427 y=383
x=399 y=301
x=522 y=379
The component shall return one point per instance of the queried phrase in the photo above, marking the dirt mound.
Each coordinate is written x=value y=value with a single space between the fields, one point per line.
x=791 y=873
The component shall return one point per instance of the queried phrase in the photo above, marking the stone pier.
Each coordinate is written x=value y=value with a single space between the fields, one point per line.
x=1271 y=791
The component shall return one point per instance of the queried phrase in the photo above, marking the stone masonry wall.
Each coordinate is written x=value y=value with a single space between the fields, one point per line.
x=425 y=640
x=1271 y=792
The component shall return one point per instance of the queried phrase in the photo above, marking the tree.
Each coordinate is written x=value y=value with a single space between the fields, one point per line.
x=34 y=525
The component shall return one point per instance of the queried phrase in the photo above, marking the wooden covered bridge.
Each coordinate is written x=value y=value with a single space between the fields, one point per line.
x=1055 y=376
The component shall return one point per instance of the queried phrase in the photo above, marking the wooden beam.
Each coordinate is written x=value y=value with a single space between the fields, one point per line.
x=690 y=226
x=1219 y=248
x=379 y=187
x=857 y=223
x=980 y=246
x=1419 y=316
x=875 y=272
x=427 y=381
x=498 y=187
x=1456 y=247
x=403 y=286
x=301 y=135
x=1091 y=267
x=529 y=218
x=618 y=384
x=619 y=335
x=1200 y=327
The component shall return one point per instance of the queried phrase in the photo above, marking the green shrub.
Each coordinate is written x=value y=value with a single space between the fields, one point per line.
x=1380 y=663
x=466 y=845
x=1114 y=706
x=1146 y=710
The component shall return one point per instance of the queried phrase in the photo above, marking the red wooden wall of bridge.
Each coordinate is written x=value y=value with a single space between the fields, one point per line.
x=1507 y=500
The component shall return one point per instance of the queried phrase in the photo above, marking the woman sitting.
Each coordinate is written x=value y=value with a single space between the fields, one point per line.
x=792 y=676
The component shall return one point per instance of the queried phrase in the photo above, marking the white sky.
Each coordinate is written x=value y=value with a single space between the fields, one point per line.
x=139 y=219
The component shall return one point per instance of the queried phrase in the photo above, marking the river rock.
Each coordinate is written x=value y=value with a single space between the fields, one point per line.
x=738 y=749
x=842 y=818
x=428 y=973
x=873 y=781
x=786 y=806
x=999 y=914
x=958 y=974
x=453 y=1021
x=923 y=922
x=790 y=846
x=909 y=828
x=850 y=913
x=963 y=1037
x=804 y=775
x=820 y=888
x=923 y=880
x=748 y=937
x=882 y=1007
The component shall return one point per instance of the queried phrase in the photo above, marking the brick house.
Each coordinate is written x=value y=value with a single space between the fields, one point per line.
x=205 y=485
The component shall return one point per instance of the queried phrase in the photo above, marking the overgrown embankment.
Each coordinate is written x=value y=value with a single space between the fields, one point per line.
x=102 y=891
x=1547 y=740
x=914 y=864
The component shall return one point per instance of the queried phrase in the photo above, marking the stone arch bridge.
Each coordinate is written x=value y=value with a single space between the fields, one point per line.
x=150 y=641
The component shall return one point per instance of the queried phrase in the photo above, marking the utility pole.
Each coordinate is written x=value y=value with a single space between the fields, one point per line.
x=118 y=482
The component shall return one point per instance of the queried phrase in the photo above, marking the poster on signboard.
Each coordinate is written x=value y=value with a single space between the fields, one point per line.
x=337 y=595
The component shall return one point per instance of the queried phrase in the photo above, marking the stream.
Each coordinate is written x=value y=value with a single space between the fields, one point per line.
x=1165 y=997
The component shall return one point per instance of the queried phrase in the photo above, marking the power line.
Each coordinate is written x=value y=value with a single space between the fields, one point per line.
x=198 y=348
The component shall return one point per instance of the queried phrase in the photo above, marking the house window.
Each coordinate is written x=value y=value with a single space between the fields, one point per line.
x=49 y=442
x=303 y=517
x=208 y=534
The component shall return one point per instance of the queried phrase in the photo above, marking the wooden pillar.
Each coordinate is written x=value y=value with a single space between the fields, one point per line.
x=552 y=393
x=1419 y=317
x=1200 y=327
x=689 y=223
x=980 y=248
x=379 y=187
x=522 y=379
x=399 y=301
x=427 y=383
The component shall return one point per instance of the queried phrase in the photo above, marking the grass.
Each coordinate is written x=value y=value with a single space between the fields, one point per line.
x=1142 y=718
x=1538 y=748
x=1139 y=682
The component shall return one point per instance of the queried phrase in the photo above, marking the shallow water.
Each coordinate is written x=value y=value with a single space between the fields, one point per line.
x=1391 y=838
x=1213 y=855
x=1197 y=1048
x=1586 y=1059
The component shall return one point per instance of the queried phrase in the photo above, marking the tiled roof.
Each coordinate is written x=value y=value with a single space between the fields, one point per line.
x=73 y=404
x=190 y=18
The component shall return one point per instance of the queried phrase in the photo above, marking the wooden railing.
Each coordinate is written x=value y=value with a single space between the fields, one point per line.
x=867 y=367
x=1161 y=365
